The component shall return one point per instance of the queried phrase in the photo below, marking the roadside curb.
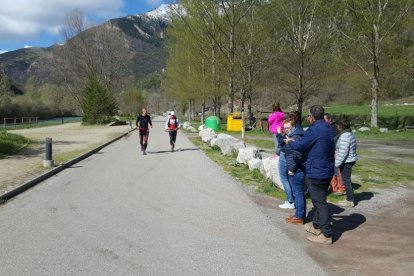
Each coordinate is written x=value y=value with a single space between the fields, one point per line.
x=20 y=189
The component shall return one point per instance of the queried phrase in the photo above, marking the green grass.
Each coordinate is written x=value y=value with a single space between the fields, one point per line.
x=64 y=157
x=240 y=172
x=11 y=143
x=404 y=135
x=383 y=110
x=261 y=144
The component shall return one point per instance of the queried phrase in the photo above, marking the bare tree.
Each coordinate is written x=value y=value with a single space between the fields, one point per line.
x=367 y=27
x=100 y=51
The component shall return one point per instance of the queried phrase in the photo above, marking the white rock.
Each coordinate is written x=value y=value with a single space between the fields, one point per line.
x=383 y=129
x=201 y=127
x=248 y=153
x=192 y=129
x=364 y=129
x=213 y=142
x=186 y=125
x=207 y=134
x=255 y=164
x=270 y=170
x=228 y=144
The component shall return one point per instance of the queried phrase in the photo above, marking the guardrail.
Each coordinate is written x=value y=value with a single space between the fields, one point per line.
x=20 y=122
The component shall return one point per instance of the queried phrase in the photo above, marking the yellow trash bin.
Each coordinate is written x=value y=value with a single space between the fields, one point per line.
x=234 y=122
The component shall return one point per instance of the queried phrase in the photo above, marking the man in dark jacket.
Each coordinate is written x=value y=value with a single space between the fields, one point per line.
x=318 y=145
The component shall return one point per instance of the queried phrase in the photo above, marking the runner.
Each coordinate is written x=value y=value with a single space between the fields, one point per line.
x=172 y=125
x=142 y=123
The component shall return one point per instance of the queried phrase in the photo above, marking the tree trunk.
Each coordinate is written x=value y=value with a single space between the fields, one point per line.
x=375 y=80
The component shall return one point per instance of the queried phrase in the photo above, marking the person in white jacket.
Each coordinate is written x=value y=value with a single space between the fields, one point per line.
x=171 y=126
x=345 y=158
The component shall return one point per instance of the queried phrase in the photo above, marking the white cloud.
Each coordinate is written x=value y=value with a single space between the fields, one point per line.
x=24 y=19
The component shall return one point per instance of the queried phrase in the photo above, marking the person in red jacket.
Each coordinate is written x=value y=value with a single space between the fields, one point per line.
x=172 y=125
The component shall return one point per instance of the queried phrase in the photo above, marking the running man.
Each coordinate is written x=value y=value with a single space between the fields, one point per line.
x=143 y=122
x=171 y=125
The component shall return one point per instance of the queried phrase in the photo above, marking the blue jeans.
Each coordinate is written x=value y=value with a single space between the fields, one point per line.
x=283 y=174
x=297 y=181
x=277 y=149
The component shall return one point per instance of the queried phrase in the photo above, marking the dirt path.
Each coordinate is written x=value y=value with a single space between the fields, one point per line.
x=373 y=238
x=69 y=140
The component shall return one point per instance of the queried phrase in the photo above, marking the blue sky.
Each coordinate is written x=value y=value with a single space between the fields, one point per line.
x=36 y=23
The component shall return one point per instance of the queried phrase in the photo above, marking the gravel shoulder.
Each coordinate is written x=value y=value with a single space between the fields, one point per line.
x=69 y=140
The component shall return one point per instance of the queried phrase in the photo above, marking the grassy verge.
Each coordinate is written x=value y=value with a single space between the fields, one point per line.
x=60 y=158
x=240 y=172
x=371 y=171
x=11 y=143
x=407 y=135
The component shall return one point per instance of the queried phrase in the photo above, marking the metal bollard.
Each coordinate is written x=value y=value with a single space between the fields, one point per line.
x=48 y=162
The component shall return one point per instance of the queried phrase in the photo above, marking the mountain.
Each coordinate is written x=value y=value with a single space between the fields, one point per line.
x=144 y=33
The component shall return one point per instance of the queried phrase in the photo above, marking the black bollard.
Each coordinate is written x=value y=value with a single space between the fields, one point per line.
x=48 y=162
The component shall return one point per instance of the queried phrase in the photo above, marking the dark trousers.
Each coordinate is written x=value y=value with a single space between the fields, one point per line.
x=143 y=139
x=346 y=170
x=173 y=136
x=318 y=189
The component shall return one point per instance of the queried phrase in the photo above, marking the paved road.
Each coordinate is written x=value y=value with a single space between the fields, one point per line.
x=122 y=213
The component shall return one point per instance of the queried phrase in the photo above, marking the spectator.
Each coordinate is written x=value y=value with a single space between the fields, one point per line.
x=318 y=145
x=328 y=118
x=345 y=158
x=295 y=168
x=275 y=120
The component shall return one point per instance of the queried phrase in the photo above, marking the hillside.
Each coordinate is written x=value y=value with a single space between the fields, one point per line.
x=145 y=36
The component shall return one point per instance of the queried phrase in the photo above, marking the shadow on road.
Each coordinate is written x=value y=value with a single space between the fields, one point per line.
x=168 y=151
x=341 y=223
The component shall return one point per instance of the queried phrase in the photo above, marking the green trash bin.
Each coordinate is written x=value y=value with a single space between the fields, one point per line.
x=213 y=122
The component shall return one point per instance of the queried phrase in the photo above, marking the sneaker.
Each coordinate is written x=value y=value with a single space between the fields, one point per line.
x=320 y=239
x=172 y=147
x=311 y=229
x=345 y=203
x=287 y=205
x=144 y=152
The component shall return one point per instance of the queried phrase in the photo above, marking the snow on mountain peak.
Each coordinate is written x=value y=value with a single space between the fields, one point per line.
x=163 y=11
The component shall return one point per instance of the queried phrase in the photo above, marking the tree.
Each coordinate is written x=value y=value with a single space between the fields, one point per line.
x=4 y=88
x=97 y=103
x=132 y=101
x=91 y=51
x=367 y=29
x=299 y=35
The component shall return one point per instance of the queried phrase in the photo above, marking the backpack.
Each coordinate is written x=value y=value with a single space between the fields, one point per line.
x=172 y=121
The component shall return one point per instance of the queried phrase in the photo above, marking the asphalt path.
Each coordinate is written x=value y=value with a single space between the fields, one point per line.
x=122 y=213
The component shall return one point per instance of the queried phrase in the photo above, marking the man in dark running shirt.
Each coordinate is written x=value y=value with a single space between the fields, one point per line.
x=143 y=122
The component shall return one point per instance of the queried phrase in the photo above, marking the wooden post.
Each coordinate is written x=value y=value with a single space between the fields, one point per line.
x=4 y=124
x=15 y=120
x=243 y=128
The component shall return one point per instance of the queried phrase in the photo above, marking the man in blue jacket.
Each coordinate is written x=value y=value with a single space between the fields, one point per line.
x=318 y=145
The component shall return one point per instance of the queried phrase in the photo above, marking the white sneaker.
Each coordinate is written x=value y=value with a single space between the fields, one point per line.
x=287 y=205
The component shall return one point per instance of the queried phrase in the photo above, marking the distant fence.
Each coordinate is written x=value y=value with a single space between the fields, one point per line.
x=21 y=122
